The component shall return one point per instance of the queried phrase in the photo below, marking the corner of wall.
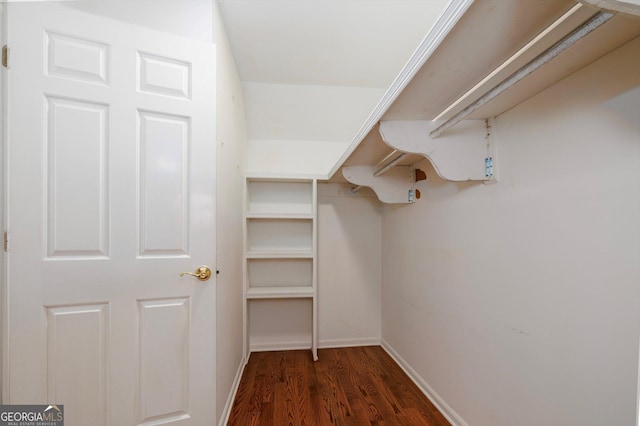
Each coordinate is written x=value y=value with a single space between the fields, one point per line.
x=226 y=411
x=231 y=142
x=447 y=411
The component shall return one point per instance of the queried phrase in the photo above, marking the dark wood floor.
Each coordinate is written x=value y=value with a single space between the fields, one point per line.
x=346 y=386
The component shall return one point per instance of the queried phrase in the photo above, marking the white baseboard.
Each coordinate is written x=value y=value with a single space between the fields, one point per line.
x=348 y=343
x=224 y=418
x=283 y=346
x=449 y=413
x=322 y=344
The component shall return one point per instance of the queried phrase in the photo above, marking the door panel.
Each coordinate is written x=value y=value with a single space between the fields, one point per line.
x=76 y=58
x=111 y=152
x=77 y=209
x=164 y=142
x=164 y=359
x=89 y=367
x=164 y=76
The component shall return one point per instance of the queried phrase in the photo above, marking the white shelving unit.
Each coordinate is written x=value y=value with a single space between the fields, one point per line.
x=280 y=263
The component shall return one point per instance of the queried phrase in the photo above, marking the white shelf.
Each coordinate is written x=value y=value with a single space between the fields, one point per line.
x=268 y=254
x=287 y=292
x=280 y=271
x=294 y=216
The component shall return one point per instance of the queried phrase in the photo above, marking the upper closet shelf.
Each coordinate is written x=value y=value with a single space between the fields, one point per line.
x=480 y=59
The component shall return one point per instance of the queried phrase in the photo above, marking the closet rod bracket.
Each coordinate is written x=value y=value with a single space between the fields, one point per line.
x=396 y=186
x=466 y=153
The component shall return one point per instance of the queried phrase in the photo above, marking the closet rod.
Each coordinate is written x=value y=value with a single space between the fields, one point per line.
x=389 y=165
x=533 y=65
x=387 y=157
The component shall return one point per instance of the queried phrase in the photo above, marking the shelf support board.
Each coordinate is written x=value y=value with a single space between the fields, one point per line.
x=465 y=153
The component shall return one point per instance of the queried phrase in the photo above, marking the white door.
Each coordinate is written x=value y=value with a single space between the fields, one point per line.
x=111 y=169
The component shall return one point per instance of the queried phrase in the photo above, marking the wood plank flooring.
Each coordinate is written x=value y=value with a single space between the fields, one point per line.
x=346 y=386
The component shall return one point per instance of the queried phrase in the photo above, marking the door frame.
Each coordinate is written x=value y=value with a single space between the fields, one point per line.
x=4 y=307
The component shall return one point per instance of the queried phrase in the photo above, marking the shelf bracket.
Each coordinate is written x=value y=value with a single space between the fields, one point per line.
x=466 y=152
x=396 y=186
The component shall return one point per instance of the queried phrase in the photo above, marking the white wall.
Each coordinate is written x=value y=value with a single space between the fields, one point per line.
x=303 y=158
x=349 y=267
x=231 y=158
x=518 y=303
x=307 y=113
x=303 y=129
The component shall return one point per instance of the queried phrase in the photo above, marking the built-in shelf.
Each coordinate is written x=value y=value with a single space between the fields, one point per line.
x=300 y=216
x=279 y=197
x=280 y=277
x=481 y=58
x=286 y=292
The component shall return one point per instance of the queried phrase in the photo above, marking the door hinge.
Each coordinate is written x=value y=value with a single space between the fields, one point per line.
x=5 y=241
x=5 y=56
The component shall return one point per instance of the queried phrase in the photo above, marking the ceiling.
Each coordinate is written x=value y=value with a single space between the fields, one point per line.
x=356 y=43
x=312 y=71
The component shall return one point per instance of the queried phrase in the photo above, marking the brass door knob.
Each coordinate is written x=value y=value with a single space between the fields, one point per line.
x=203 y=273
